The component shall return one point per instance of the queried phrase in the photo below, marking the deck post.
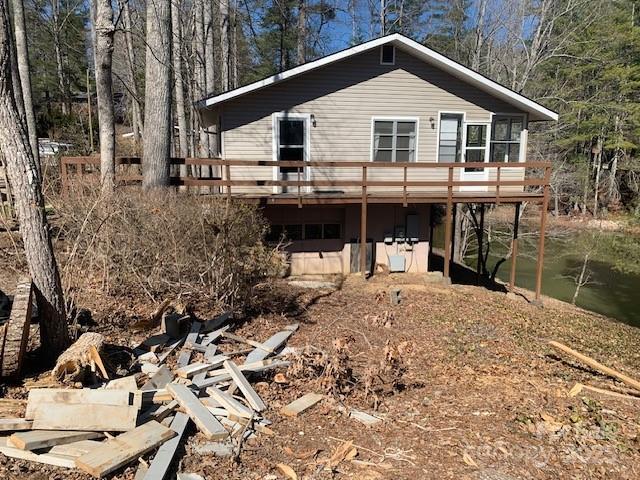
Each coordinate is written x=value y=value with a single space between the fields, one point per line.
x=480 y=244
x=514 y=248
x=363 y=225
x=543 y=228
x=447 y=226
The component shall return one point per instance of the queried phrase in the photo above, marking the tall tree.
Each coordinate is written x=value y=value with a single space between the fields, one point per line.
x=29 y=201
x=225 y=46
x=136 y=103
x=105 y=30
x=157 y=108
x=22 y=52
x=179 y=83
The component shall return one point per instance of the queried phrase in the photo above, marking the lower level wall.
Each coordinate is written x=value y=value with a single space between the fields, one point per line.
x=398 y=235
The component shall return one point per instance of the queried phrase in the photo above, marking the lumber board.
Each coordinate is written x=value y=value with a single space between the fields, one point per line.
x=222 y=375
x=245 y=387
x=162 y=460
x=170 y=349
x=211 y=337
x=216 y=323
x=203 y=418
x=79 y=396
x=156 y=342
x=210 y=353
x=125 y=383
x=92 y=417
x=273 y=343
x=14 y=424
x=36 y=439
x=303 y=403
x=16 y=330
x=75 y=449
x=158 y=379
x=196 y=368
x=252 y=343
x=229 y=403
x=46 y=458
x=191 y=339
x=597 y=365
x=120 y=450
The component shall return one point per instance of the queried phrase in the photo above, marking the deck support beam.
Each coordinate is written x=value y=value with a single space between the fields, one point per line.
x=363 y=225
x=480 y=236
x=447 y=228
x=514 y=247
x=543 y=228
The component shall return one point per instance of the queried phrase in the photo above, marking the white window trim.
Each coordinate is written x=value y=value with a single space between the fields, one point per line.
x=393 y=62
x=396 y=119
x=464 y=132
x=275 y=117
x=523 y=135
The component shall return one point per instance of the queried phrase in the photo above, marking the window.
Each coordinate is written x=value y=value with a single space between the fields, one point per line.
x=475 y=145
x=388 y=55
x=450 y=141
x=505 y=138
x=394 y=140
x=307 y=231
x=290 y=139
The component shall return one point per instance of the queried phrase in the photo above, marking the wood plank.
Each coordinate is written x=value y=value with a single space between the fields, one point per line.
x=75 y=449
x=159 y=379
x=192 y=338
x=16 y=330
x=78 y=396
x=120 y=450
x=273 y=343
x=14 y=424
x=46 y=458
x=222 y=375
x=37 y=439
x=247 y=390
x=216 y=323
x=156 y=342
x=252 y=343
x=204 y=420
x=210 y=353
x=60 y=416
x=125 y=383
x=170 y=349
x=229 y=403
x=211 y=337
x=162 y=460
x=196 y=368
x=301 y=404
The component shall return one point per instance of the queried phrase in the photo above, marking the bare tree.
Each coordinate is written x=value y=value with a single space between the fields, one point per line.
x=302 y=32
x=29 y=202
x=136 y=104
x=225 y=45
x=25 y=75
x=179 y=84
x=105 y=30
x=157 y=108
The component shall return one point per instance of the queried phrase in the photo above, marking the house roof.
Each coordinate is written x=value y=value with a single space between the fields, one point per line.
x=535 y=110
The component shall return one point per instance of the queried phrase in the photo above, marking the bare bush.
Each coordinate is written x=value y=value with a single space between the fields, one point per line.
x=162 y=242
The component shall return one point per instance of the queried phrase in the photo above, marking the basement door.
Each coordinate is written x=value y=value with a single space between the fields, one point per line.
x=291 y=143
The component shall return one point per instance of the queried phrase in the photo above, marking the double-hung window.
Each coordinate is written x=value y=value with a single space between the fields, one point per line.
x=506 y=133
x=395 y=140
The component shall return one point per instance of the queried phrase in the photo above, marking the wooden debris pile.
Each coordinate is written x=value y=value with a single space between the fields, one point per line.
x=99 y=430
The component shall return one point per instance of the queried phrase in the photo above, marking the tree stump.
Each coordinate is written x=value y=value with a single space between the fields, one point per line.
x=74 y=363
x=16 y=330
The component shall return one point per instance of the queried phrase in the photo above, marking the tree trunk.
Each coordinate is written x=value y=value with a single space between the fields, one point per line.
x=179 y=84
x=224 y=45
x=199 y=75
x=105 y=30
x=233 y=47
x=598 y=167
x=210 y=75
x=25 y=76
x=57 y=45
x=157 y=105
x=23 y=175
x=136 y=106
x=302 y=32
x=581 y=280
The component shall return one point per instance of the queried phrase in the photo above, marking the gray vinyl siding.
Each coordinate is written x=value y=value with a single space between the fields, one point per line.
x=343 y=97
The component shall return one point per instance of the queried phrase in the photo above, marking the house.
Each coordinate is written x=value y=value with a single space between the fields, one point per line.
x=360 y=144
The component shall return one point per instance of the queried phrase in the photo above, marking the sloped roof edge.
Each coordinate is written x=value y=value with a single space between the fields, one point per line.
x=536 y=111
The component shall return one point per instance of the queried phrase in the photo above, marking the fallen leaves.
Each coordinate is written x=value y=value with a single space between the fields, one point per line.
x=287 y=471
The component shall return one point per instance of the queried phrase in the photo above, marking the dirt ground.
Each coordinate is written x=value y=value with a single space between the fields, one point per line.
x=463 y=378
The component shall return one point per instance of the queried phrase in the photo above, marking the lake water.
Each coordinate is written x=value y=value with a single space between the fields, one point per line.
x=609 y=292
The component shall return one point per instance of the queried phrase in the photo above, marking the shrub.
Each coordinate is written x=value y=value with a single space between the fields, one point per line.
x=162 y=242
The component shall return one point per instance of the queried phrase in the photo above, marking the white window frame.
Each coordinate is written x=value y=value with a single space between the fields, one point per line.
x=464 y=132
x=416 y=120
x=393 y=62
x=275 y=142
x=523 y=136
x=486 y=148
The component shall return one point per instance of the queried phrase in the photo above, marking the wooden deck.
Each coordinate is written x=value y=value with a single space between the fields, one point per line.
x=449 y=189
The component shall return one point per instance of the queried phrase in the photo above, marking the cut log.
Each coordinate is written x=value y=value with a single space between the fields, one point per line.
x=597 y=365
x=61 y=416
x=247 y=390
x=73 y=363
x=203 y=418
x=300 y=405
x=37 y=439
x=46 y=458
x=14 y=424
x=120 y=450
x=162 y=460
x=80 y=396
x=16 y=330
